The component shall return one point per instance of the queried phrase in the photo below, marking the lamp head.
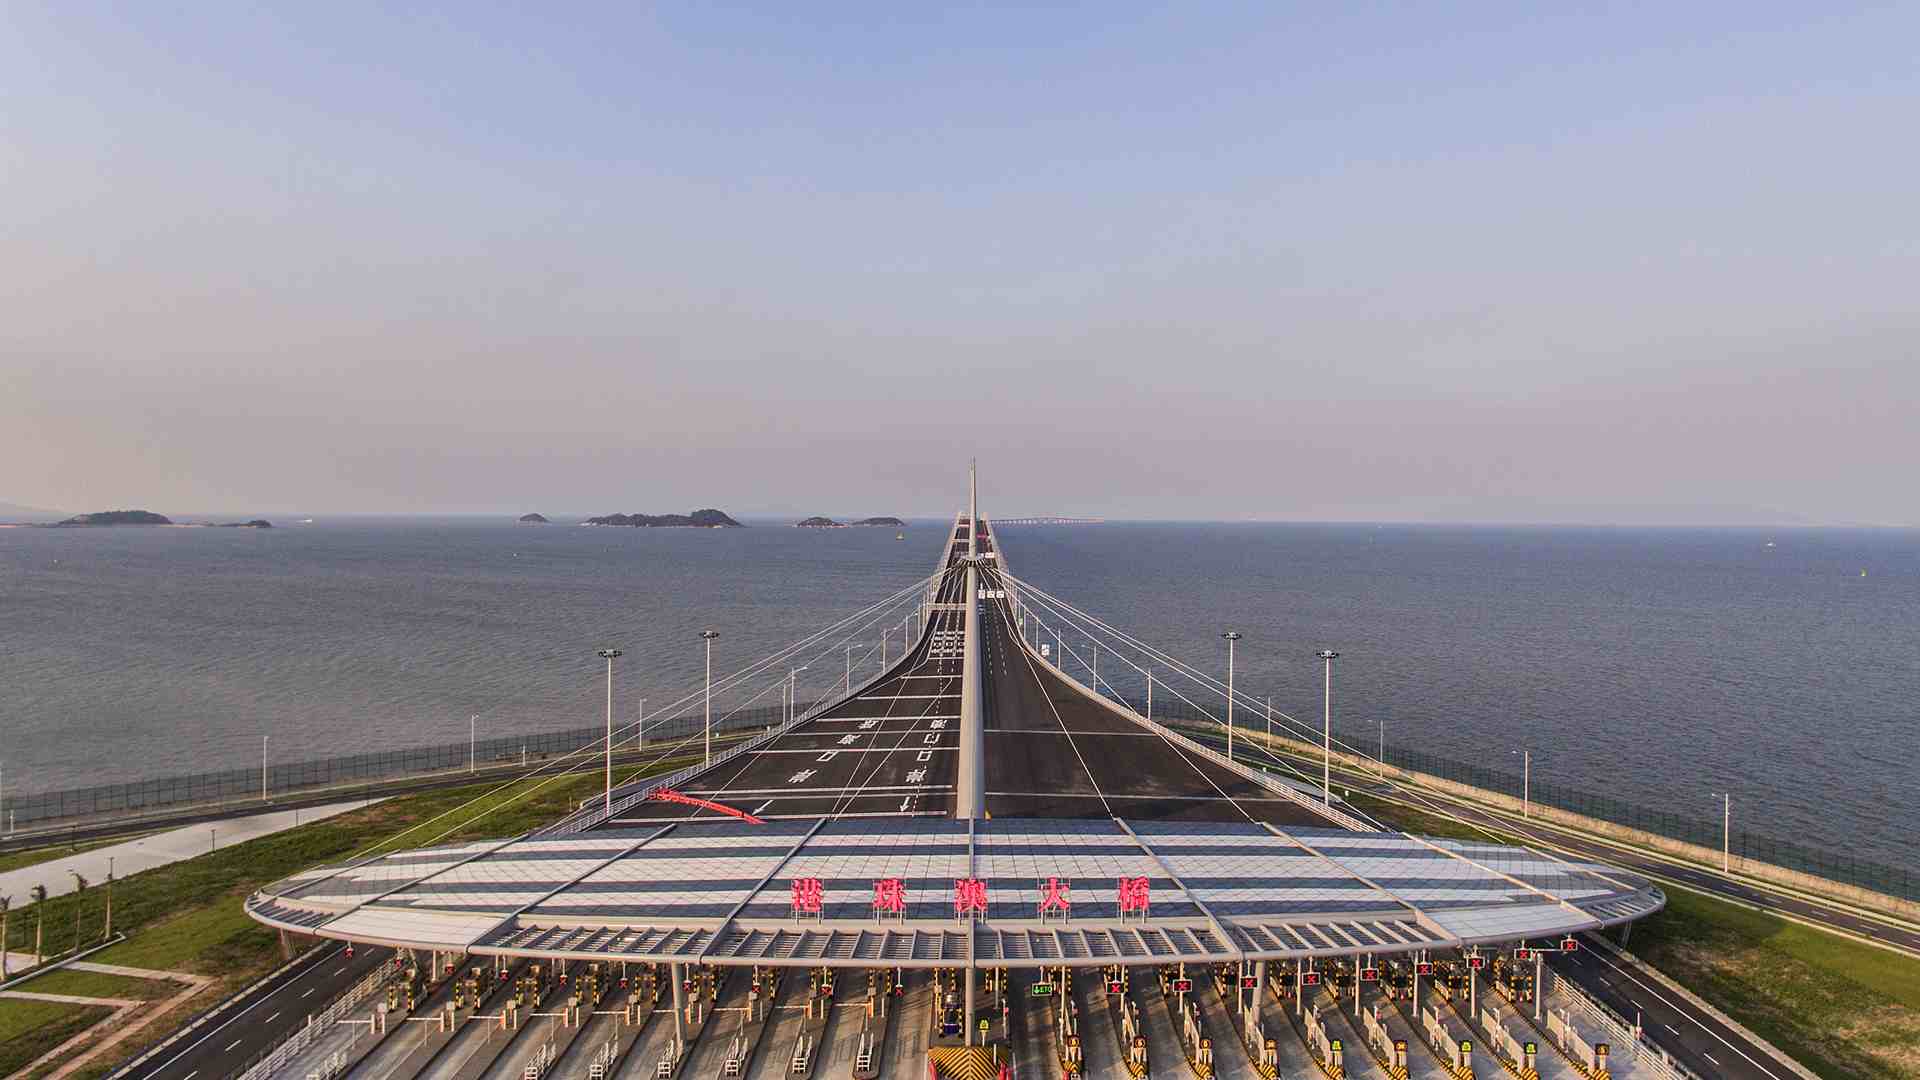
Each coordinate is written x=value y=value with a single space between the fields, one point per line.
x=608 y=654
x=1327 y=654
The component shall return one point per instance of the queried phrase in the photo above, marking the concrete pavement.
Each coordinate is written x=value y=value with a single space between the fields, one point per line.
x=132 y=856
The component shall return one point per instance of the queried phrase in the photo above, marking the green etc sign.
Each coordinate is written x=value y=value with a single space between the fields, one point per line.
x=1042 y=989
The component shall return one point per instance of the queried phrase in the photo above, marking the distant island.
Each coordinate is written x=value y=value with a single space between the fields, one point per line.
x=699 y=519
x=829 y=523
x=533 y=519
x=148 y=517
x=119 y=517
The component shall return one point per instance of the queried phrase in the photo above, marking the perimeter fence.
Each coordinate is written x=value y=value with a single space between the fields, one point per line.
x=292 y=778
x=1708 y=833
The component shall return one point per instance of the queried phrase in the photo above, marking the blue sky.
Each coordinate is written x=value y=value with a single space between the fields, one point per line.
x=1646 y=263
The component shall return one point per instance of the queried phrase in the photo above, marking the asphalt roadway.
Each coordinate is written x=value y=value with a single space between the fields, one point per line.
x=243 y=1027
x=1052 y=752
x=1049 y=750
x=890 y=750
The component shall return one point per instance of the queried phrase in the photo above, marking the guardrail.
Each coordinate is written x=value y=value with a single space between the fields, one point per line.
x=271 y=1061
x=214 y=1010
x=53 y=812
x=1645 y=1053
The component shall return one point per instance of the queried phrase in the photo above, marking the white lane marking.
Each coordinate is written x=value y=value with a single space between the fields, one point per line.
x=233 y=1044
x=850 y=750
x=872 y=789
x=1709 y=1057
x=337 y=971
x=271 y=1019
x=902 y=697
x=183 y=1050
x=1722 y=1039
x=191 y=1075
x=306 y=992
x=762 y=806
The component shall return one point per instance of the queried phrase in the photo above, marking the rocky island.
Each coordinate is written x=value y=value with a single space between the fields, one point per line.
x=829 y=523
x=256 y=523
x=533 y=519
x=699 y=519
x=119 y=517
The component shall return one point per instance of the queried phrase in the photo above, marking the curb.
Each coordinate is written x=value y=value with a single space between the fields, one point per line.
x=216 y=1008
x=56 y=965
x=1700 y=1003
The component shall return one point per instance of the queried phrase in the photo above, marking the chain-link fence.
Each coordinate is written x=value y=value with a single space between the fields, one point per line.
x=1821 y=862
x=141 y=797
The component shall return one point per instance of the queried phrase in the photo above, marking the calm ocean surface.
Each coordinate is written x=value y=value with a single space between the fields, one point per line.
x=1657 y=665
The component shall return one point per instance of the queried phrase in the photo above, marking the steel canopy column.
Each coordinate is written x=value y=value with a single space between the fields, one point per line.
x=677 y=972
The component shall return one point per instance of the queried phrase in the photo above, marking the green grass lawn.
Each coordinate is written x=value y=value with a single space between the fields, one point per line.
x=1846 y=1010
x=188 y=916
x=102 y=984
x=29 y=1029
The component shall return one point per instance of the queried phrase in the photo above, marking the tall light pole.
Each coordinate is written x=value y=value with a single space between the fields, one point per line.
x=1326 y=730
x=708 y=636
x=1231 y=636
x=1383 y=740
x=793 y=689
x=609 y=655
x=1526 y=781
x=1726 y=832
x=473 y=730
x=263 y=768
x=849 y=667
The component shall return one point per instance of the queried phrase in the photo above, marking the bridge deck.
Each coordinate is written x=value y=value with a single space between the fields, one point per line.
x=888 y=751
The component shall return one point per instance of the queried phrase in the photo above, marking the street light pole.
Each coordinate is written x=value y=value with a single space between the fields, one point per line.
x=1326 y=730
x=1231 y=636
x=609 y=656
x=849 y=667
x=1526 y=782
x=1726 y=832
x=473 y=728
x=708 y=636
x=263 y=768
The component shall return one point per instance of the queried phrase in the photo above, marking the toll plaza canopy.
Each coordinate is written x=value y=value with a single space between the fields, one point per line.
x=937 y=892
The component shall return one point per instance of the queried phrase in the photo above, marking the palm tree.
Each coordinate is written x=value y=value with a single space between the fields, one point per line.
x=79 y=904
x=5 y=903
x=39 y=895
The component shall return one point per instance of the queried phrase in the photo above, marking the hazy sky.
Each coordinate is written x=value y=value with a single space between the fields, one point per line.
x=1292 y=261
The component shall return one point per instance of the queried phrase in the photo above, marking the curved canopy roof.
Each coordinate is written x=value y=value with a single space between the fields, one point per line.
x=724 y=893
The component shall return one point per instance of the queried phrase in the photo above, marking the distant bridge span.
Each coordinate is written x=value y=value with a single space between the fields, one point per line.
x=1049 y=521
